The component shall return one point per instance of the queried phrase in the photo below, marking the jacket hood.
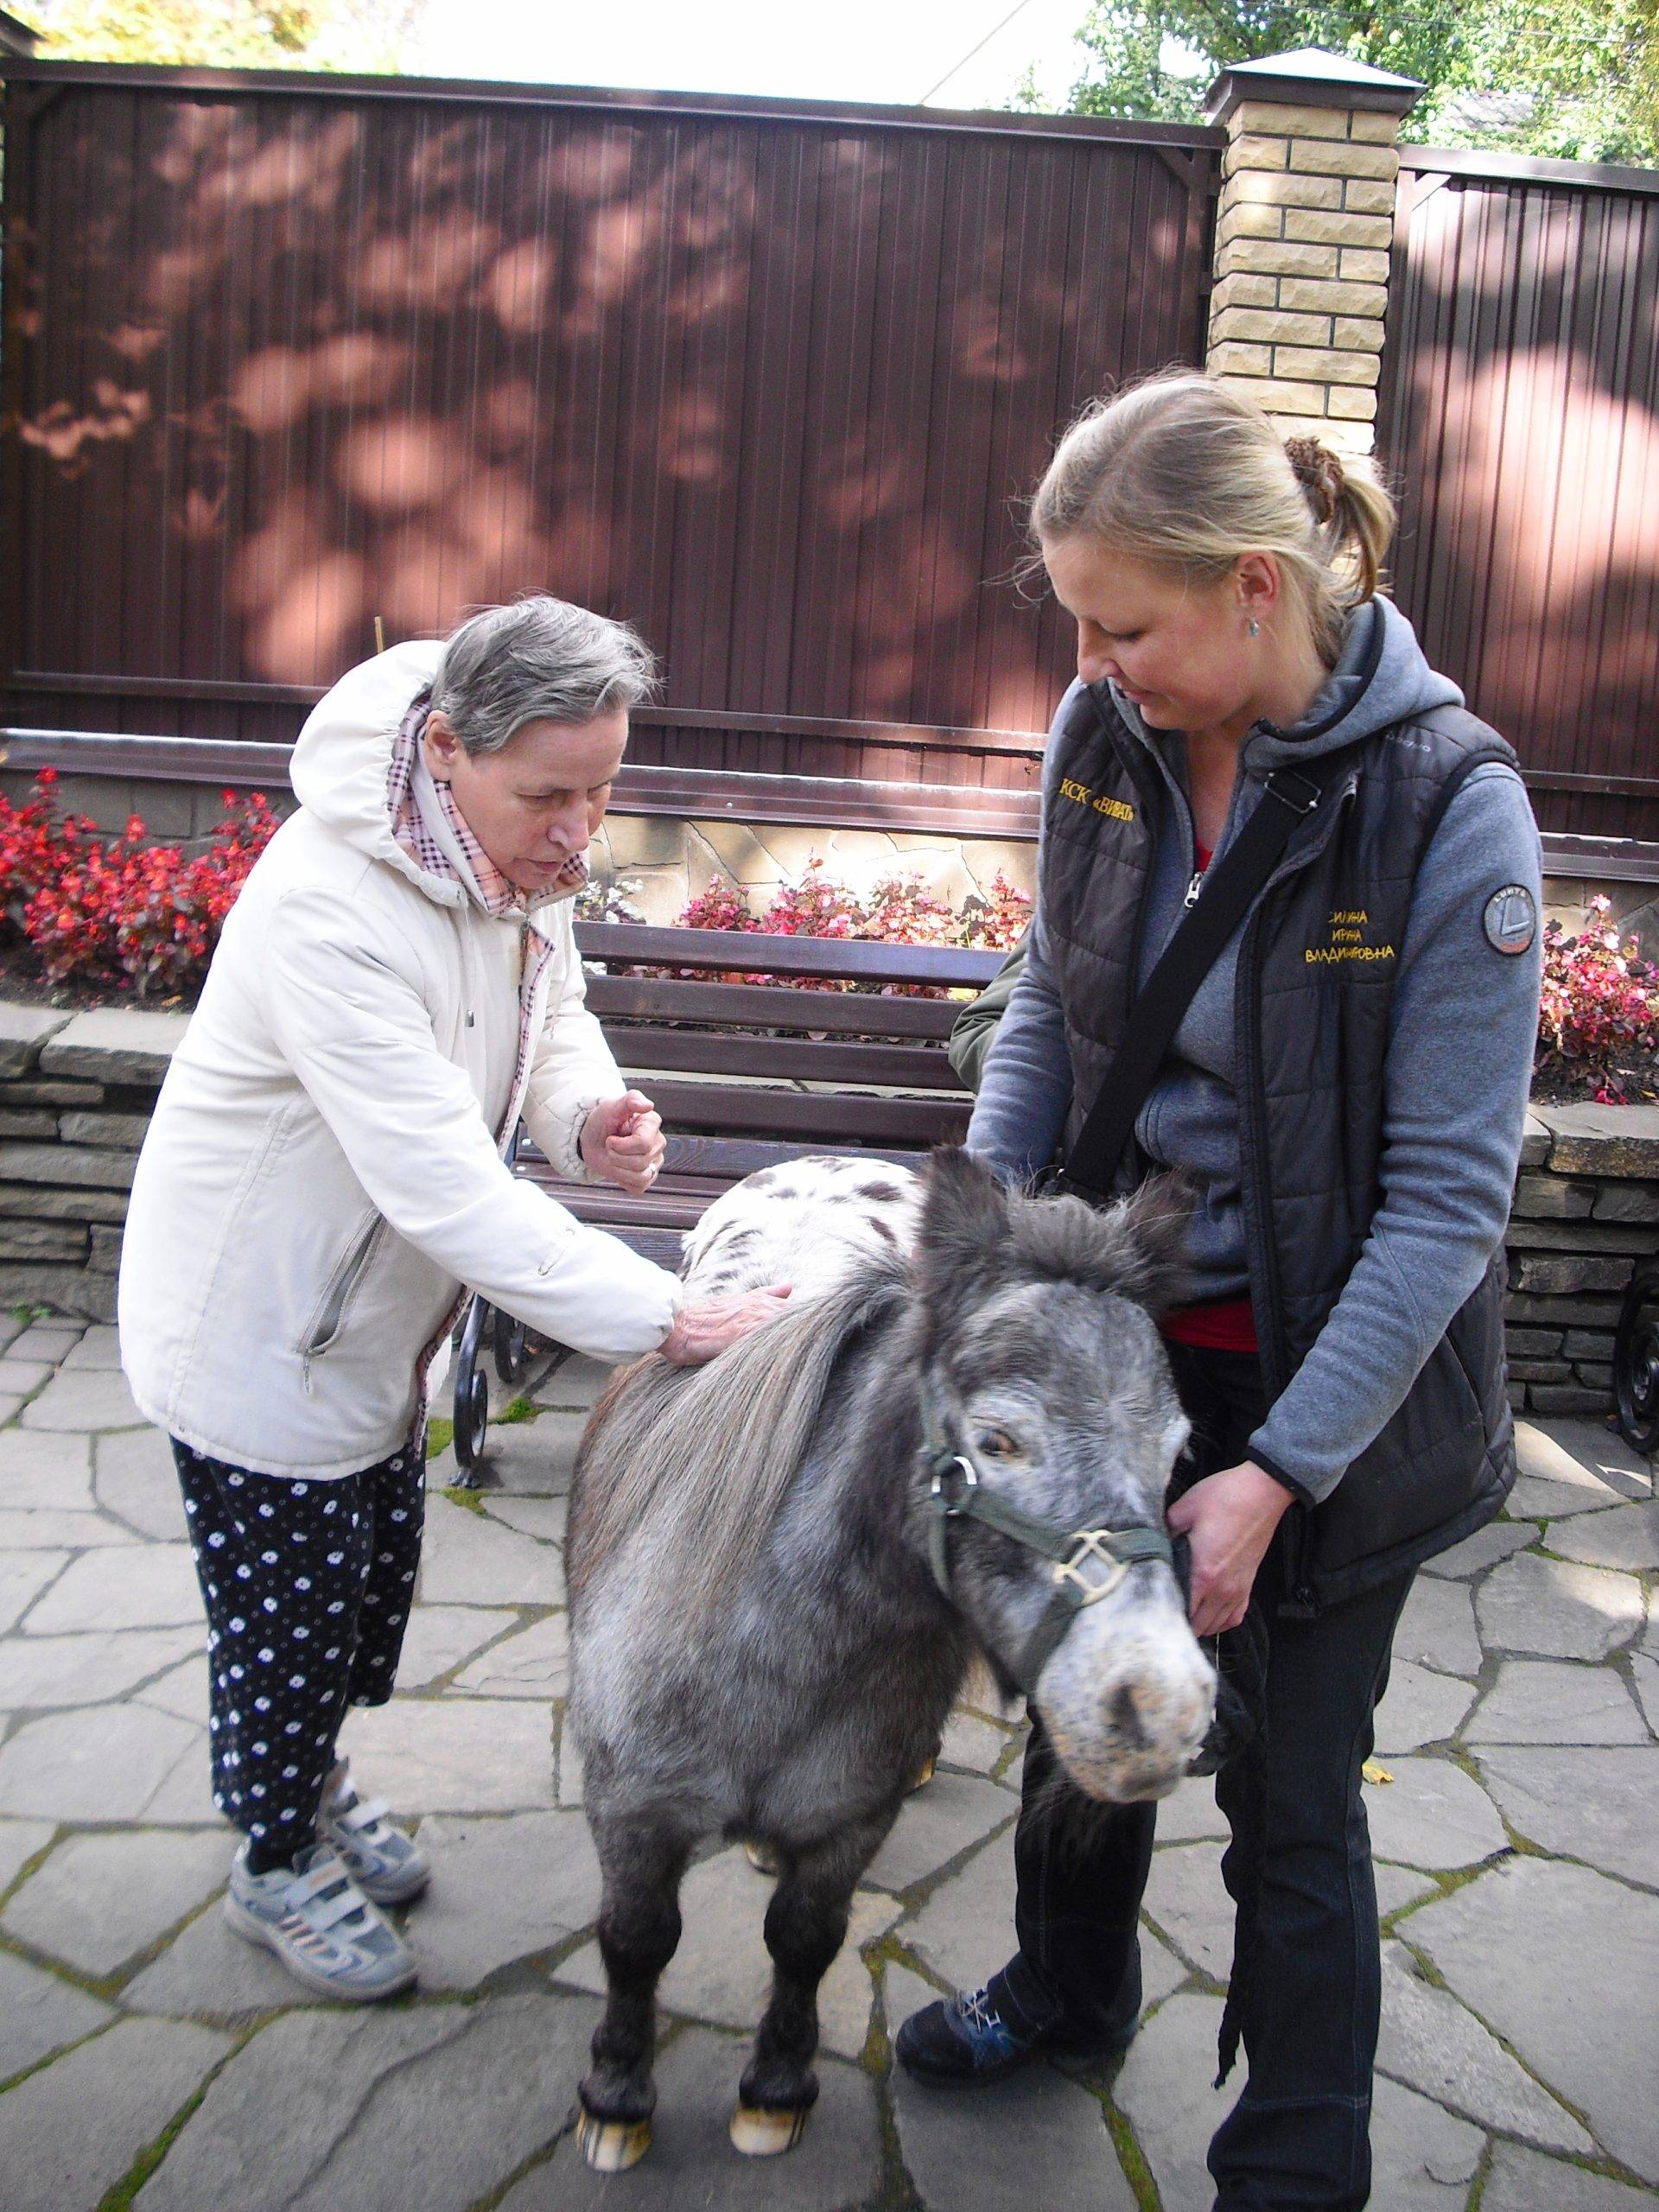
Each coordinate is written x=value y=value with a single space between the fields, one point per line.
x=342 y=760
x=1381 y=678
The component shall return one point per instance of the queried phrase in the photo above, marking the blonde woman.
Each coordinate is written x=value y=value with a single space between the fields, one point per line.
x=1345 y=1090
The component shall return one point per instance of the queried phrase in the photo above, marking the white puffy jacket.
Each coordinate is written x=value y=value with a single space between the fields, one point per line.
x=319 y=1178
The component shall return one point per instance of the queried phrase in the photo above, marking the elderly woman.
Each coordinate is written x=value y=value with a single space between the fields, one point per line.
x=322 y=1182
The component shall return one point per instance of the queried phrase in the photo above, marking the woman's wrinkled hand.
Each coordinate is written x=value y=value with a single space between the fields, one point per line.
x=1229 y=1520
x=622 y=1141
x=702 y=1331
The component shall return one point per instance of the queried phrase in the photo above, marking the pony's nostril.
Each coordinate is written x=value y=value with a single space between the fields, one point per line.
x=1126 y=1719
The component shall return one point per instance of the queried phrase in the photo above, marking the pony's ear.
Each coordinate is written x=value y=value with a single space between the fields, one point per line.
x=961 y=1240
x=1133 y=1248
x=1146 y=1236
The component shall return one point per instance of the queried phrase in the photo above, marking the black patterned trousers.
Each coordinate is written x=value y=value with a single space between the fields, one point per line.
x=308 y=1586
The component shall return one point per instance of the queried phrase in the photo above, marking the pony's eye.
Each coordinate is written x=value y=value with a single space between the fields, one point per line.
x=997 y=1443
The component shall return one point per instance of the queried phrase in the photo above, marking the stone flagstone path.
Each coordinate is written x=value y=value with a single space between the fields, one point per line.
x=148 y=2058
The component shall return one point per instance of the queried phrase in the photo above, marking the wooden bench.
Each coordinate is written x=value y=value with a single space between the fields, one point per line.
x=746 y=1073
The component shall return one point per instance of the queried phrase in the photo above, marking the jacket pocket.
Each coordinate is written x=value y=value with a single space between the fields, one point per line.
x=342 y=1285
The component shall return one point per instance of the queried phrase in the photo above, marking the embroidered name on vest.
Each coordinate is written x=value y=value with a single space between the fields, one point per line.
x=1083 y=794
x=1345 y=940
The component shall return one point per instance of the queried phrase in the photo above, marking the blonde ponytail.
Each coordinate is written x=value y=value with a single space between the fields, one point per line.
x=1188 y=475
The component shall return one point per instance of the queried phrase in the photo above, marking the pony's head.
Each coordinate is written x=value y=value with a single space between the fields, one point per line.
x=1043 y=1370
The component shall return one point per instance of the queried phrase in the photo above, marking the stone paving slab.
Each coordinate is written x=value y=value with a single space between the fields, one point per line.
x=1562 y=1963
x=1557 y=1610
x=428 y=1754
x=1547 y=1701
x=504 y=1888
x=1421 y=1707
x=935 y=1824
x=1432 y=1816
x=19 y=1841
x=1520 y=2181
x=80 y=1403
x=1627 y=1536
x=324 y=2112
x=46 y=1470
x=1484 y=1549
x=1039 y=2139
x=70 y=2132
x=142 y=1885
x=534 y=1661
x=1431 y=2043
x=469 y=1559
x=1436 y=1628
x=23 y=1575
x=157 y=1588
x=136 y=1481
x=440 y=1638
x=1601 y=1806
x=43 y=1671
x=97 y=1762
x=39 y=2013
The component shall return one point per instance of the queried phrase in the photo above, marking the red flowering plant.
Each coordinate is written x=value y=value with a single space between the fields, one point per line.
x=996 y=922
x=1598 y=1022
x=125 y=912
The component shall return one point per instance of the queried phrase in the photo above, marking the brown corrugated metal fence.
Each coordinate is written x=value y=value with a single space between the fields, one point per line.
x=1521 y=418
x=282 y=355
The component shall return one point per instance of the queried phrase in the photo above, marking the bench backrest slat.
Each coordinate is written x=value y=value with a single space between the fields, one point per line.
x=806 y=1059
x=762 y=1006
x=733 y=951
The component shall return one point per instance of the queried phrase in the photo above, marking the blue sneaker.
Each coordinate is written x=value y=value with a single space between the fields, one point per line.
x=982 y=2035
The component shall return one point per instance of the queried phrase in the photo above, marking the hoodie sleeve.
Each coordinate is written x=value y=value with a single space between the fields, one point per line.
x=1452 y=1118
x=572 y=1070
x=1024 y=1083
x=345 y=1003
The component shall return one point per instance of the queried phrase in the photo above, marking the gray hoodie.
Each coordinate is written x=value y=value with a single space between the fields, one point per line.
x=1465 y=1021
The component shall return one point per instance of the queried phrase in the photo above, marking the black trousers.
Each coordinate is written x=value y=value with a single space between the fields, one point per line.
x=307 y=1586
x=1298 y=1869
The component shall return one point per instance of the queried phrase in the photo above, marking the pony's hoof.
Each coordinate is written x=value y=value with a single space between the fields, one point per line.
x=759 y=2132
x=611 y=2146
x=925 y=1772
x=762 y=1858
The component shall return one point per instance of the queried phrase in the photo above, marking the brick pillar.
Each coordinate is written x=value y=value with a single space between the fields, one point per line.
x=1302 y=237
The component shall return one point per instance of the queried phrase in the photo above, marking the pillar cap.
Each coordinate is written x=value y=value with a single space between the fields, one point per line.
x=1309 y=77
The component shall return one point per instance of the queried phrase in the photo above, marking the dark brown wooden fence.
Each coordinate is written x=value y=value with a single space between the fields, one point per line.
x=283 y=355
x=1521 y=417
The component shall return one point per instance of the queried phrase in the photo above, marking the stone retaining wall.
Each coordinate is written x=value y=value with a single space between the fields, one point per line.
x=77 y=1091
x=76 y=1095
x=1585 y=1211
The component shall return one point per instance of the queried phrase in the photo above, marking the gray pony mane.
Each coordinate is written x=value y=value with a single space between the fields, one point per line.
x=707 y=1453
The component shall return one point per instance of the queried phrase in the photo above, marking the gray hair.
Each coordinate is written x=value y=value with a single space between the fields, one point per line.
x=538 y=659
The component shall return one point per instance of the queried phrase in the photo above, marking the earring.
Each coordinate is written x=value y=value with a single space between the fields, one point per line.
x=1255 y=627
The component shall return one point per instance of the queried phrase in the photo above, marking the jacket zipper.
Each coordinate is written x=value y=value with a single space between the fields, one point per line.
x=1299 y=1605
x=338 y=1296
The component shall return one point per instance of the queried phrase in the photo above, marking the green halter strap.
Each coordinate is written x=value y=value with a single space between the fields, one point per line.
x=1088 y=1563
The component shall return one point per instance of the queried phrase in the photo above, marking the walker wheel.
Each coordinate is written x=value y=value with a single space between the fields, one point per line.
x=1635 y=1361
x=472 y=1419
x=512 y=1349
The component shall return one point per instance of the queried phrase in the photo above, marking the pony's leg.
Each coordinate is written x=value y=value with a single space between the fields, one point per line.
x=806 y=1925
x=638 y=1929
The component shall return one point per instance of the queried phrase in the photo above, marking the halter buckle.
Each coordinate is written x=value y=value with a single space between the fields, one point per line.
x=1091 y=1544
x=941 y=1498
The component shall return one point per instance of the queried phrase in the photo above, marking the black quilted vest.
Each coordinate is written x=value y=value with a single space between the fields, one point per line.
x=1316 y=972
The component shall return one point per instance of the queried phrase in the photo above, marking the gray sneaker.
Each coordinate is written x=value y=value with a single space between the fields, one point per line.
x=321 y=1927
x=386 y=1864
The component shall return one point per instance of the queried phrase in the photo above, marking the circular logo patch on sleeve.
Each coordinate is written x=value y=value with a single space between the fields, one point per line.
x=1511 y=918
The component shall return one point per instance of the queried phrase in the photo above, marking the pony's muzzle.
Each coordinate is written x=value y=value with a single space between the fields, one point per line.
x=1127 y=1697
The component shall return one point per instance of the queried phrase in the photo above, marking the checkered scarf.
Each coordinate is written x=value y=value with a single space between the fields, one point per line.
x=485 y=884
